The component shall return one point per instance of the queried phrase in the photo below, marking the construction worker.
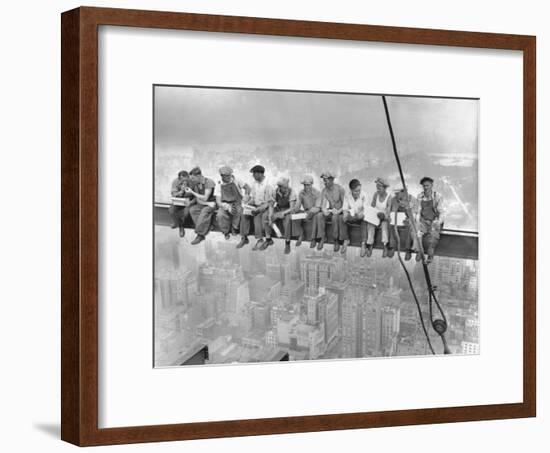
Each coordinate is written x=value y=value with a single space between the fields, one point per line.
x=309 y=202
x=400 y=203
x=354 y=213
x=332 y=199
x=281 y=210
x=205 y=206
x=429 y=216
x=381 y=201
x=229 y=194
x=261 y=195
x=179 y=214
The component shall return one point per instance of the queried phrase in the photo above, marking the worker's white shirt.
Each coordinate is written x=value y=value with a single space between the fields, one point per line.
x=353 y=206
x=261 y=192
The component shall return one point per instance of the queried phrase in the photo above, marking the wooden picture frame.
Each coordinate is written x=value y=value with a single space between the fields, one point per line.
x=79 y=313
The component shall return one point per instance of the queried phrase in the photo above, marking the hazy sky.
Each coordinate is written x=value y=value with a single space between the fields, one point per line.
x=194 y=116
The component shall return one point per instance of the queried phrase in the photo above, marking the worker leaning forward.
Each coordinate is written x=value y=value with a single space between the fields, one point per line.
x=205 y=206
x=309 y=203
x=429 y=216
x=332 y=199
x=180 y=213
x=354 y=213
x=281 y=211
x=381 y=201
x=229 y=193
x=260 y=197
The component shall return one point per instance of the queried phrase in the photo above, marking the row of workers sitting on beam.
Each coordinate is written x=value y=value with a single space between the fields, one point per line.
x=236 y=205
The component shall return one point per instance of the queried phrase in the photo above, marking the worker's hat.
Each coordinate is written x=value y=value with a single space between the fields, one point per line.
x=257 y=169
x=426 y=178
x=226 y=171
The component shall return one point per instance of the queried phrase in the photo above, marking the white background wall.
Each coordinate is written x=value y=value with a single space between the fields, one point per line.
x=30 y=227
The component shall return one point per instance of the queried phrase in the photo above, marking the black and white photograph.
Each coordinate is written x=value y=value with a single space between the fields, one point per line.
x=295 y=225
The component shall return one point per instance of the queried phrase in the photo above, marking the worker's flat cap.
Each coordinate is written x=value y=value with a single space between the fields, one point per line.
x=328 y=174
x=257 y=169
x=426 y=179
x=307 y=179
x=282 y=181
x=226 y=171
x=382 y=181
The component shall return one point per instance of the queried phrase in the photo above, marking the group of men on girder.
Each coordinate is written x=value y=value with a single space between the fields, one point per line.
x=235 y=205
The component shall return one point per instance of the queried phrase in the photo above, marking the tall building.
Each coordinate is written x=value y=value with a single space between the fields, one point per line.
x=286 y=273
x=273 y=266
x=174 y=287
x=330 y=317
x=351 y=324
x=317 y=271
x=470 y=348
x=448 y=271
x=263 y=288
x=238 y=295
x=339 y=289
x=372 y=330
x=293 y=291
x=389 y=330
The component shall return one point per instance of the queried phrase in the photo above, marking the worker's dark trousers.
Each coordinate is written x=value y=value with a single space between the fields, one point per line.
x=202 y=218
x=354 y=220
x=430 y=234
x=339 y=228
x=259 y=222
x=228 y=221
x=286 y=224
x=178 y=214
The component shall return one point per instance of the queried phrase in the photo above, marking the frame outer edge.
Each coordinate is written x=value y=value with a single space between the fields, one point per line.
x=70 y=227
x=529 y=226
x=79 y=162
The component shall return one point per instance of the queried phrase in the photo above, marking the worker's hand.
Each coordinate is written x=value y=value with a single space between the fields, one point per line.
x=381 y=215
x=254 y=211
x=226 y=206
x=326 y=212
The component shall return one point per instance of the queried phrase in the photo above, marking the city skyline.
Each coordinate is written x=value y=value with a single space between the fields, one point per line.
x=246 y=306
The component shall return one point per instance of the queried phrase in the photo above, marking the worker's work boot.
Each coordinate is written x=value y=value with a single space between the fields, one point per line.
x=344 y=247
x=312 y=244
x=408 y=255
x=320 y=244
x=287 y=248
x=182 y=231
x=363 y=249
x=369 y=250
x=259 y=244
x=243 y=242
x=198 y=239
x=385 y=251
x=266 y=244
